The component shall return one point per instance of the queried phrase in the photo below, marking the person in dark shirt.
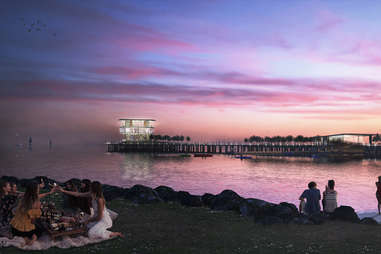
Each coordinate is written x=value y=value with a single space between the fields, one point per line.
x=378 y=193
x=70 y=203
x=312 y=195
x=85 y=202
x=7 y=203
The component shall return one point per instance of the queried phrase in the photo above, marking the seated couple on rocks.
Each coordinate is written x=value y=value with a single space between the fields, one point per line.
x=313 y=197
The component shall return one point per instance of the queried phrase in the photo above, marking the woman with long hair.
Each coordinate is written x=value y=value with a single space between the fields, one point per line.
x=101 y=221
x=27 y=211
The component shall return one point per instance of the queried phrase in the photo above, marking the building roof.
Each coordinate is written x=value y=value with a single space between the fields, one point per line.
x=141 y=119
x=350 y=134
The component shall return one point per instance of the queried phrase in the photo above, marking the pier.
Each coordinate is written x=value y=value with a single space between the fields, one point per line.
x=262 y=149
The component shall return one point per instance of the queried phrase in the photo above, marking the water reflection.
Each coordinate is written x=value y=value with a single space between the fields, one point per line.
x=271 y=178
x=137 y=167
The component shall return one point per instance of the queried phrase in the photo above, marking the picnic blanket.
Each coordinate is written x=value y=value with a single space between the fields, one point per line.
x=44 y=242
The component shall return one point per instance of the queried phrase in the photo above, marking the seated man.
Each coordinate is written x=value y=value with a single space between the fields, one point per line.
x=312 y=195
x=71 y=204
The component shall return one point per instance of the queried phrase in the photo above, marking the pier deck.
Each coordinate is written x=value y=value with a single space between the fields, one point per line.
x=271 y=149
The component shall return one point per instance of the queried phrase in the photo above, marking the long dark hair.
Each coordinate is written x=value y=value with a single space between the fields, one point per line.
x=30 y=197
x=87 y=184
x=2 y=185
x=331 y=184
x=96 y=189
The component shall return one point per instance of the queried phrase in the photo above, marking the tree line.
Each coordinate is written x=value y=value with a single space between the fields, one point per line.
x=169 y=138
x=280 y=139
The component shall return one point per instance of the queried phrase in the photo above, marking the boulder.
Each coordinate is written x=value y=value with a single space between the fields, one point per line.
x=317 y=218
x=251 y=206
x=112 y=192
x=270 y=220
x=227 y=200
x=166 y=193
x=10 y=179
x=207 y=199
x=187 y=199
x=284 y=211
x=141 y=194
x=369 y=221
x=345 y=213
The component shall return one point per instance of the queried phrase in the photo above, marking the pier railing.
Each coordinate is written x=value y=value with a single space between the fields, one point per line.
x=269 y=149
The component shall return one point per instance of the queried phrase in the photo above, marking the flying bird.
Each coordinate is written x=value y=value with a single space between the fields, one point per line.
x=36 y=25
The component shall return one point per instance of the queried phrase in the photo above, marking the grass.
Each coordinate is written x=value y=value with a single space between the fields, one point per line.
x=171 y=228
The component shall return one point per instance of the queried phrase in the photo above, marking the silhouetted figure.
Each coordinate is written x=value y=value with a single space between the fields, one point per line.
x=312 y=195
x=50 y=144
x=30 y=143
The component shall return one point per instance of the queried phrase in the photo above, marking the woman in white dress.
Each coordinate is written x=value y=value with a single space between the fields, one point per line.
x=100 y=221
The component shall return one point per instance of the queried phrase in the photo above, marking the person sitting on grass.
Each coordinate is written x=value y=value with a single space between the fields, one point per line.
x=85 y=202
x=312 y=195
x=378 y=193
x=27 y=211
x=329 y=198
x=14 y=190
x=101 y=220
x=7 y=203
x=71 y=203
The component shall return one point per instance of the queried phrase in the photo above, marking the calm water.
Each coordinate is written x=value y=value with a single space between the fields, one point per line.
x=274 y=180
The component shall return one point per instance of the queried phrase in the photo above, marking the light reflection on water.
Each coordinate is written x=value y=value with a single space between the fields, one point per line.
x=271 y=179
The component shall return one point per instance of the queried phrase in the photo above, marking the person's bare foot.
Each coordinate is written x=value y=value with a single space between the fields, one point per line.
x=116 y=234
x=34 y=238
x=26 y=242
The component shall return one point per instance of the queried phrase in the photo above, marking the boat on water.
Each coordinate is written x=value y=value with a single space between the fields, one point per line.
x=243 y=157
x=203 y=155
x=172 y=155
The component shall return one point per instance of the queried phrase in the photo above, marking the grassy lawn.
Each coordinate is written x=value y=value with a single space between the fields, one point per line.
x=171 y=228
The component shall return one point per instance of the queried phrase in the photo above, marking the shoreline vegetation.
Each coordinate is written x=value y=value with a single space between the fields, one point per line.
x=162 y=220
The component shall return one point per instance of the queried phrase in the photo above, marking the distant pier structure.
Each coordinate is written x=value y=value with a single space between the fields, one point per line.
x=339 y=146
x=136 y=130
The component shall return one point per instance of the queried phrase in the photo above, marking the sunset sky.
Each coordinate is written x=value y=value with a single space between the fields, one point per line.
x=212 y=70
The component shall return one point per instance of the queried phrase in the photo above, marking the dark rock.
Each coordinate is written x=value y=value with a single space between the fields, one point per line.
x=317 y=218
x=188 y=199
x=251 y=206
x=112 y=192
x=10 y=179
x=207 y=199
x=369 y=221
x=166 y=193
x=270 y=220
x=142 y=195
x=227 y=200
x=345 y=213
x=284 y=211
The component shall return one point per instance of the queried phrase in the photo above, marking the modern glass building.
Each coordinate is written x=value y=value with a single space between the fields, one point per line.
x=136 y=129
x=357 y=138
